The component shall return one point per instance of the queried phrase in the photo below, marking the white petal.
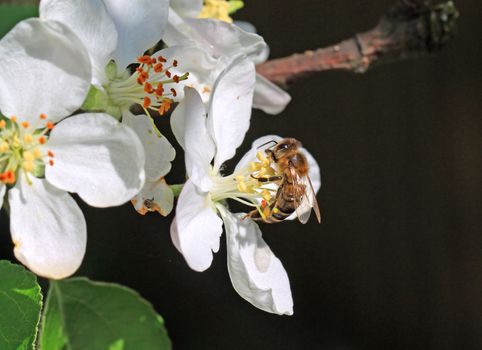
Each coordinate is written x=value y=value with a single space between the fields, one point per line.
x=177 y=31
x=225 y=39
x=98 y=158
x=154 y=196
x=48 y=71
x=256 y=273
x=89 y=20
x=188 y=123
x=159 y=152
x=269 y=97
x=203 y=69
x=140 y=25
x=47 y=228
x=187 y=8
x=230 y=108
x=196 y=228
x=3 y=188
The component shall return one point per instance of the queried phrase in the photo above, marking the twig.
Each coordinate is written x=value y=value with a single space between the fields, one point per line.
x=410 y=29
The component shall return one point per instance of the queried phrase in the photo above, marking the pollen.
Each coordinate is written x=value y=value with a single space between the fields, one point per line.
x=27 y=138
x=4 y=147
x=28 y=156
x=37 y=153
x=266 y=195
x=27 y=166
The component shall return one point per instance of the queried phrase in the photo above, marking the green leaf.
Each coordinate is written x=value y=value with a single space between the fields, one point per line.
x=12 y=14
x=20 y=304
x=81 y=314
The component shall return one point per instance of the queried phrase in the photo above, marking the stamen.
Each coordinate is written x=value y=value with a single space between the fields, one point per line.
x=147 y=102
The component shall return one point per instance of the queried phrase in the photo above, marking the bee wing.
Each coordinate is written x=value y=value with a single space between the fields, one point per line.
x=305 y=197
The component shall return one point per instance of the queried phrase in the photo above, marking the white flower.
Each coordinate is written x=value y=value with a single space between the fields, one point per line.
x=89 y=154
x=116 y=33
x=209 y=138
x=224 y=42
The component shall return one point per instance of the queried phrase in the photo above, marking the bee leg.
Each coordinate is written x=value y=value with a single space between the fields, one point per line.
x=267 y=179
x=253 y=214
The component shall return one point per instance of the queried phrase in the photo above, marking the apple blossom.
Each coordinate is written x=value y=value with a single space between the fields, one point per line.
x=42 y=157
x=209 y=137
x=224 y=41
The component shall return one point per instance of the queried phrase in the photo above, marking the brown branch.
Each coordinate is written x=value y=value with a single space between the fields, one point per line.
x=410 y=29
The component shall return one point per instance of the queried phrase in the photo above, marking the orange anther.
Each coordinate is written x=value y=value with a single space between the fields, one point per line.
x=160 y=90
x=174 y=63
x=147 y=102
x=158 y=67
x=49 y=125
x=161 y=59
x=43 y=116
x=41 y=140
x=13 y=118
x=148 y=88
x=25 y=124
x=175 y=78
x=2 y=123
x=165 y=105
x=168 y=74
x=50 y=154
x=263 y=203
x=146 y=59
x=174 y=93
x=10 y=177
x=51 y=162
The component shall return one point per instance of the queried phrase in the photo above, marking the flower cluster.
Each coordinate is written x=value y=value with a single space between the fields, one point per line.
x=74 y=78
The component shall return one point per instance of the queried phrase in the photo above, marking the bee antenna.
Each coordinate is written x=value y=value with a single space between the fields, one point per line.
x=266 y=143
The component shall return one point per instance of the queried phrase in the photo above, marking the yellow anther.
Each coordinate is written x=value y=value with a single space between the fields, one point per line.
x=266 y=212
x=4 y=147
x=275 y=210
x=218 y=9
x=254 y=166
x=28 y=156
x=27 y=138
x=266 y=171
x=260 y=155
x=266 y=195
x=242 y=187
x=239 y=178
x=37 y=153
x=27 y=166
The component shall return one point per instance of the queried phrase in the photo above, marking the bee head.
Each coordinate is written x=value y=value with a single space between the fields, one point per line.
x=284 y=147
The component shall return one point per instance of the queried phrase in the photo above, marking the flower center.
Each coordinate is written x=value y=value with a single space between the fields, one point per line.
x=151 y=86
x=22 y=148
x=220 y=9
x=254 y=185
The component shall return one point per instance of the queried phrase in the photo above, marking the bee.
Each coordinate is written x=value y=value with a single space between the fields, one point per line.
x=295 y=192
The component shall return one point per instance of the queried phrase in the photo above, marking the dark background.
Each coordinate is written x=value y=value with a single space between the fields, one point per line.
x=397 y=260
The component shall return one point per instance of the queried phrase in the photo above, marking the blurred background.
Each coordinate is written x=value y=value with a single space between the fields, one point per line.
x=397 y=260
